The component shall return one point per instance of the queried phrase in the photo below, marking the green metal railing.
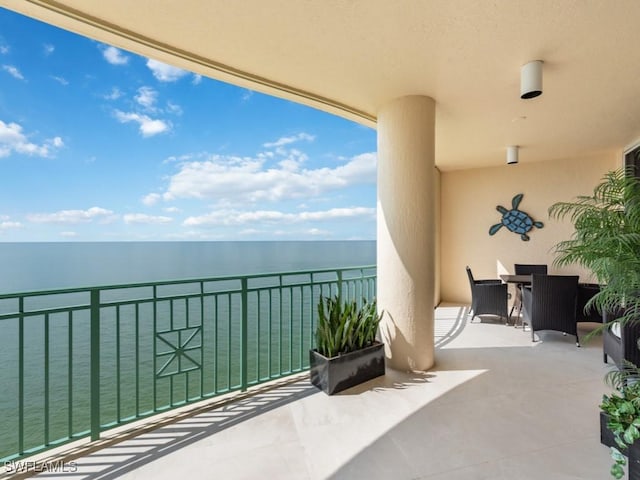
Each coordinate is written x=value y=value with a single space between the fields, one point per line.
x=76 y=362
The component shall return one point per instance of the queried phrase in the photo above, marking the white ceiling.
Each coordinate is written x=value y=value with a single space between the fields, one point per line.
x=352 y=56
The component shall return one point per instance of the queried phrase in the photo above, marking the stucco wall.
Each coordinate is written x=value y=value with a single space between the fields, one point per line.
x=468 y=209
x=437 y=182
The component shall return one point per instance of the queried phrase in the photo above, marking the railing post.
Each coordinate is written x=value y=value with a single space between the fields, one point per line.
x=244 y=348
x=95 y=364
x=155 y=348
x=339 y=285
x=21 y=377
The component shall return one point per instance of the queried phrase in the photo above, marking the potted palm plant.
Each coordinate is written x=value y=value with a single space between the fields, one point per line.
x=606 y=241
x=620 y=421
x=347 y=352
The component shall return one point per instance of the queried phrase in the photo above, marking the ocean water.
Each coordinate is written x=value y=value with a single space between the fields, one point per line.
x=36 y=266
x=130 y=367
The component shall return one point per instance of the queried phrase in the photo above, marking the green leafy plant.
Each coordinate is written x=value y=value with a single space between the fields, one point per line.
x=606 y=241
x=623 y=410
x=344 y=327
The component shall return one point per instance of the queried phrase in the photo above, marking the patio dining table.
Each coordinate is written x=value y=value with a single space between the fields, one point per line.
x=520 y=281
x=585 y=292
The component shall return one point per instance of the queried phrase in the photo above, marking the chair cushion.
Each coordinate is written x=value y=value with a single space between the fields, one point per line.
x=615 y=329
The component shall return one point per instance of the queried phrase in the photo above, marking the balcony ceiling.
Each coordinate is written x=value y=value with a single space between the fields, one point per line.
x=350 y=57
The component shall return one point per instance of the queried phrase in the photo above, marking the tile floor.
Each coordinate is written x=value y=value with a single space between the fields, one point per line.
x=496 y=406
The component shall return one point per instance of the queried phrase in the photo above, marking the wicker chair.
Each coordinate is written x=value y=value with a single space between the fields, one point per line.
x=524 y=269
x=586 y=291
x=488 y=297
x=622 y=348
x=550 y=304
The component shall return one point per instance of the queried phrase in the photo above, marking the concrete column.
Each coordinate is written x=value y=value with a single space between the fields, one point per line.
x=407 y=230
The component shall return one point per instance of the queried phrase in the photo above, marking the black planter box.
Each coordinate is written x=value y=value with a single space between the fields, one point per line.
x=332 y=375
x=606 y=436
x=633 y=455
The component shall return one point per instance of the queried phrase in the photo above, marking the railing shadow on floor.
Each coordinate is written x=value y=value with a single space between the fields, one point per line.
x=111 y=457
x=449 y=323
x=121 y=453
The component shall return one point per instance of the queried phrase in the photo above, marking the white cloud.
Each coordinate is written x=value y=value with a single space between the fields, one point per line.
x=196 y=79
x=164 y=72
x=172 y=210
x=173 y=108
x=246 y=95
x=141 y=218
x=196 y=235
x=60 y=80
x=72 y=216
x=152 y=199
x=7 y=225
x=250 y=231
x=68 y=234
x=4 y=49
x=13 y=71
x=146 y=97
x=148 y=126
x=48 y=49
x=12 y=139
x=271 y=217
x=185 y=157
x=114 y=56
x=317 y=232
x=114 y=94
x=287 y=140
x=233 y=179
x=289 y=165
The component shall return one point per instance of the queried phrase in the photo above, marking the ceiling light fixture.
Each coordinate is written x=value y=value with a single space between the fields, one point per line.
x=531 y=79
x=512 y=154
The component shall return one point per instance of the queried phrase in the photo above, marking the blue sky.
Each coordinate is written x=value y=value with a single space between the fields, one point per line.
x=99 y=144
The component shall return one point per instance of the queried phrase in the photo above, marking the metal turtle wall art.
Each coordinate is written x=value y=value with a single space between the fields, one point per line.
x=515 y=220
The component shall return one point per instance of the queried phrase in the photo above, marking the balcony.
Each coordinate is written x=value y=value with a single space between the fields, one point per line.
x=495 y=406
x=82 y=361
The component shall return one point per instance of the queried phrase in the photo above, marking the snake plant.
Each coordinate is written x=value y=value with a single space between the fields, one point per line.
x=344 y=327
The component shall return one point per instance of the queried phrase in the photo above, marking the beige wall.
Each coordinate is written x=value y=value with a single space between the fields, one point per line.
x=468 y=209
x=437 y=182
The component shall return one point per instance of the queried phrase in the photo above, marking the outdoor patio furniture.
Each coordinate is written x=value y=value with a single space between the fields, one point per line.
x=550 y=304
x=586 y=291
x=529 y=269
x=524 y=269
x=488 y=297
x=620 y=342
